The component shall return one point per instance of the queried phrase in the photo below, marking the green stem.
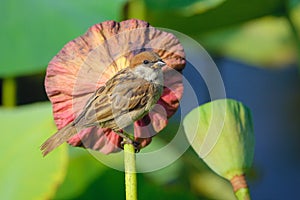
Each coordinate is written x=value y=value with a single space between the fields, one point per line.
x=294 y=31
x=135 y=9
x=243 y=194
x=240 y=187
x=9 y=90
x=130 y=172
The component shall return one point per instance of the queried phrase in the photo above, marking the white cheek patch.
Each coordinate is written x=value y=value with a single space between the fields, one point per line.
x=149 y=74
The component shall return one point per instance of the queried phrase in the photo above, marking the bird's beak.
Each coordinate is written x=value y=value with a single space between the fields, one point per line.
x=159 y=64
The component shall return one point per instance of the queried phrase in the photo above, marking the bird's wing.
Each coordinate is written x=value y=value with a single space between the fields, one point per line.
x=128 y=103
x=121 y=95
x=131 y=96
x=88 y=116
x=89 y=104
x=98 y=101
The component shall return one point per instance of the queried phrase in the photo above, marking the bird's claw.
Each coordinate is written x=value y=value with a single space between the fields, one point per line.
x=136 y=144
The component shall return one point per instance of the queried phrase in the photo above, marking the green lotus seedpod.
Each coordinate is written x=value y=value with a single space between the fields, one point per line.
x=221 y=132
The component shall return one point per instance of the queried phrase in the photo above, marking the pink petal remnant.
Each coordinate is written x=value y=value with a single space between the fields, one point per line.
x=87 y=62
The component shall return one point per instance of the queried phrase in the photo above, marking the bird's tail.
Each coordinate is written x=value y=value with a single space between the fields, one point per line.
x=58 y=138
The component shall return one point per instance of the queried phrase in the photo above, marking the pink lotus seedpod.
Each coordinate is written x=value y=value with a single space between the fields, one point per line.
x=87 y=62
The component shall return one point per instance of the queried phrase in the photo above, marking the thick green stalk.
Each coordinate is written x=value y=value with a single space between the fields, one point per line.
x=243 y=194
x=240 y=187
x=134 y=9
x=9 y=90
x=130 y=172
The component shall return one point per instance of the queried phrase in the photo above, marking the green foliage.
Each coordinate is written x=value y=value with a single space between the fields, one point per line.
x=259 y=46
x=87 y=177
x=32 y=32
x=266 y=41
x=228 y=13
x=24 y=173
x=183 y=7
x=82 y=170
x=207 y=183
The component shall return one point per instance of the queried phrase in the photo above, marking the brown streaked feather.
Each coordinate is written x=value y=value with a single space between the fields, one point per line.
x=95 y=95
x=116 y=100
x=58 y=138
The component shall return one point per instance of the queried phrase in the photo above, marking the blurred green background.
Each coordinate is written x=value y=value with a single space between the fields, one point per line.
x=255 y=45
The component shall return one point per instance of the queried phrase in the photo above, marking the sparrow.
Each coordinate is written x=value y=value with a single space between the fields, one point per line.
x=125 y=98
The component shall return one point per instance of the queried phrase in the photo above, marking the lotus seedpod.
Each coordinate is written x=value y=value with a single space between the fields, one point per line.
x=221 y=133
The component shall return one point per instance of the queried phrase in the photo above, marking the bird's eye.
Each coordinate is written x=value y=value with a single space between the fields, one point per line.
x=146 y=62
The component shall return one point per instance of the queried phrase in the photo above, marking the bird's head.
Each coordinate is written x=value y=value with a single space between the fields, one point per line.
x=147 y=59
x=148 y=65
